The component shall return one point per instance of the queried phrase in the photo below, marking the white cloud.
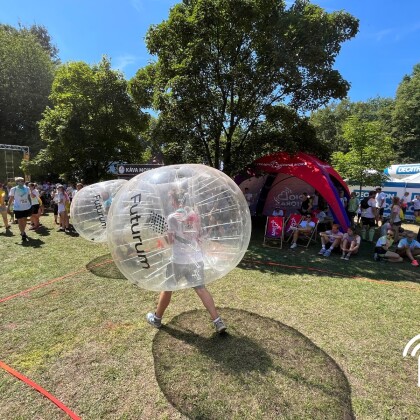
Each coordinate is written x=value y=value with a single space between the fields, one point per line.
x=138 y=5
x=121 y=62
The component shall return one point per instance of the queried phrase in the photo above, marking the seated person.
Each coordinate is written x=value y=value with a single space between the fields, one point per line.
x=409 y=247
x=305 y=226
x=350 y=243
x=278 y=212
x=331 y=238
x=382 y=248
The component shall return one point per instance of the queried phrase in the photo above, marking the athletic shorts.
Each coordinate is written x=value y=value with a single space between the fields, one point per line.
x=379 y=250
x=192 y=273
x=23 y=214
x=381 y=211
x=55 y=209
x=35 y=209
x=397 y=223
x=367 y=221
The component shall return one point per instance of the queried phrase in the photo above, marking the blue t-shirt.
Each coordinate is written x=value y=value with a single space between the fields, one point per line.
x=404 y=243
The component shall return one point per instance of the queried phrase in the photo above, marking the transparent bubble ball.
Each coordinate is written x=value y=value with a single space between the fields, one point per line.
x=178 y=226
x=90 y=208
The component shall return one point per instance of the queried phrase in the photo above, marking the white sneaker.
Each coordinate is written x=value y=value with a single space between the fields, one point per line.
x=322 y=252
x=153 y=320
x=219 y=325
x=294 y=245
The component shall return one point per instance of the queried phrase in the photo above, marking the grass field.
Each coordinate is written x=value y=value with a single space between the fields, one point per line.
x=308 y=337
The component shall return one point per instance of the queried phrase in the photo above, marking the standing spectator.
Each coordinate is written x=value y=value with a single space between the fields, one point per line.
x=343 y=199
x=416 y=208
x=350 y=243
x=3 y=207
x=248 y=197
x=368 y=208
x=21 y=201
x=330 y=239
x=34 y=193
x=409 y=247
x=380 y=199
x=395 y=217
x=54 y=199
x=404 y=201
x=315 y=201
x=352 y=207
x=62 y=199
x=306 y=206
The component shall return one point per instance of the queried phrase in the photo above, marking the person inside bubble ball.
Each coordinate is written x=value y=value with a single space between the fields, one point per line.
x=184 y=234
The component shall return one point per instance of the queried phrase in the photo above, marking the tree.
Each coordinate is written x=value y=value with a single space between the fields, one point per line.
x=93 y=122
x=224 y=65
x=370 y=152
x=26 y=75
x=406 y=117
x=329 y=121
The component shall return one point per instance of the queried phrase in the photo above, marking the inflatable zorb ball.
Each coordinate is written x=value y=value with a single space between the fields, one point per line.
x=178 y=226
x=90 y=207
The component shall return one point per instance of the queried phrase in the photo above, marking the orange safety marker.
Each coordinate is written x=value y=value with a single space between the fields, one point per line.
x=41 y=390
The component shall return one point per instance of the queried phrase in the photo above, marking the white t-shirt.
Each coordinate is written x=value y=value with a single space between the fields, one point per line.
x=306 y=225
x=22 y=199
x=333 y=236
x=380 y=199
x=34 y=200
x=368 y=213
x=185 y=227
x=354 y=238
x=416 y=204
x=404 y=242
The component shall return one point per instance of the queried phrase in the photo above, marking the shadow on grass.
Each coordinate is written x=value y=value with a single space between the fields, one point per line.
x=32 y=242
x=104 y=266
x=260 y=368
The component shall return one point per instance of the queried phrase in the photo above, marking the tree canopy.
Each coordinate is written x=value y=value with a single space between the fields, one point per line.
x=26 y=75
x=406 y=117
x=228 y=71
x=93 y=122
x=370 y=152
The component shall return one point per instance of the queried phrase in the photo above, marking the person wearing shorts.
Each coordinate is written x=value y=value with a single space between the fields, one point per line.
x=35 y=206
x=20 y=198
x=369 y=218
x=330 y=239
x=184 y=234
x=382 y=248
x=409 y=247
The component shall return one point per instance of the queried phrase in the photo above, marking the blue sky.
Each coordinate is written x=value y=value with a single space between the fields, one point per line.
x=385 y=49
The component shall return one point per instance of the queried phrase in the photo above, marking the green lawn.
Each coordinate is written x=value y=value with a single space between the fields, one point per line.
x=309 y=337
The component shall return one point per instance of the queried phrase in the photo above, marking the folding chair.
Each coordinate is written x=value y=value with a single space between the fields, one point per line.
x=292 y=222
x=274 y=231
x=310 y=237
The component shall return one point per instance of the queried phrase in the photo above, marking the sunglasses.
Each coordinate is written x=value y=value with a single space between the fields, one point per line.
x=391 y=236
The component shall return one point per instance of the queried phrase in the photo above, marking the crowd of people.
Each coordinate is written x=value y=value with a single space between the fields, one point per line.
x=366 y=220
x=27 y=201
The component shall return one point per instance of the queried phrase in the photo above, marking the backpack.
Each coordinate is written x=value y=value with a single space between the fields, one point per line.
x=364 y=203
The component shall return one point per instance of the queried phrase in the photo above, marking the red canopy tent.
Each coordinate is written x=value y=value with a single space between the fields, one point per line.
x=291 y=175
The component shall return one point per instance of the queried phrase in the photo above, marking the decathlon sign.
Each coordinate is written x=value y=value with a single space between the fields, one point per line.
x=402 y=171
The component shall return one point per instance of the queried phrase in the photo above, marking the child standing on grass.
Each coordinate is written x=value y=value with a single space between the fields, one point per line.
x=184 y=233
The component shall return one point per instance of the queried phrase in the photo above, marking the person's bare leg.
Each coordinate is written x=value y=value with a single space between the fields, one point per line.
x=22 y=225
x=208 y=301
x=164 y=300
